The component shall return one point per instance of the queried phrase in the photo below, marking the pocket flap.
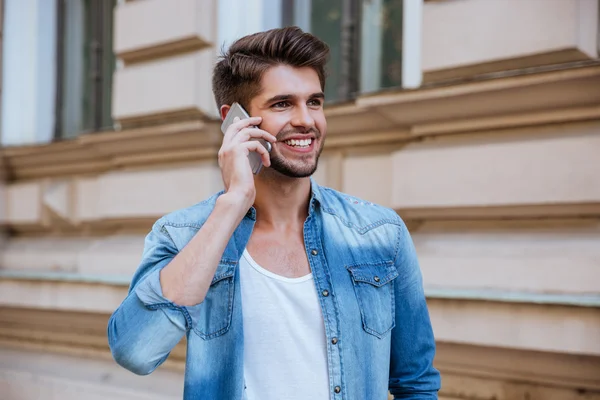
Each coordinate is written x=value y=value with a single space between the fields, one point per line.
x=224 y=270
x=376 y=274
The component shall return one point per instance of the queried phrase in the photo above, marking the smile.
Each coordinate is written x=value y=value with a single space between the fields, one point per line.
x=303 y=143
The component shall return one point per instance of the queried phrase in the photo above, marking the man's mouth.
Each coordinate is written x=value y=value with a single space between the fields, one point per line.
x=300 y=143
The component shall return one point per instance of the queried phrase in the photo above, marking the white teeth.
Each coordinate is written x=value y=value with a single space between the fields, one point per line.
x=299 y=143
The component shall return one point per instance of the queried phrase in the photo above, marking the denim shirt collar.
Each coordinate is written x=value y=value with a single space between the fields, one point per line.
x=315 y=198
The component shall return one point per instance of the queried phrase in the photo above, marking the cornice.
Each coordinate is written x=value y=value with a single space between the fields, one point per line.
x=521 y=100
x=183 y=45
x=524 y=212
x=376 y=120
x=100 y=152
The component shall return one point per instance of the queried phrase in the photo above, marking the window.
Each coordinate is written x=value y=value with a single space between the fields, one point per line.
x=365 y=38
x=85 y=65
x=57 y=64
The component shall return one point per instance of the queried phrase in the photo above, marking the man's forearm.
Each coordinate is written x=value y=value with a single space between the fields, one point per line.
x=187 y=278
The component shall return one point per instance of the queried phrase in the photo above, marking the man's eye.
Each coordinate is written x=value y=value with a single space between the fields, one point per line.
x=281 y=104
x=316 y=103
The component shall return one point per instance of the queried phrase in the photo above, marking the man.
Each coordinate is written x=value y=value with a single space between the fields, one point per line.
x=284 y=289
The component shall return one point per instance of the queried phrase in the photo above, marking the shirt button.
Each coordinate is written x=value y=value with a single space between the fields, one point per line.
x=314 y=252
x=334 y=340
x=337 y=389
x=325 y=293
x=376 y=278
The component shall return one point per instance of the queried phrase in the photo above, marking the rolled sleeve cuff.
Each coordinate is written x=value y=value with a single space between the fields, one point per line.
x=150 y=294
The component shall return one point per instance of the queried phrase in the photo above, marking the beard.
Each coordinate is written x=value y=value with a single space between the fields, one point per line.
x=299 y=168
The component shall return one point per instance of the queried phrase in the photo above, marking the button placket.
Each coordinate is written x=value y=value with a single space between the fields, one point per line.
x=328 y=303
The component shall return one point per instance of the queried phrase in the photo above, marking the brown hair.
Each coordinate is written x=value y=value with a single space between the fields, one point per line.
x=237 y=74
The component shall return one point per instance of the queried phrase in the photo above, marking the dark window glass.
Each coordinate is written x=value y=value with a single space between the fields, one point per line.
x=365 y=38
x=85 y=66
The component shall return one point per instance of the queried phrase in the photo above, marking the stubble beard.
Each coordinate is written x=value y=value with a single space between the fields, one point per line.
x=297 y=169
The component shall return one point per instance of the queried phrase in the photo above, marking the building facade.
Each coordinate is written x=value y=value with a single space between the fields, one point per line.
x=478 y=121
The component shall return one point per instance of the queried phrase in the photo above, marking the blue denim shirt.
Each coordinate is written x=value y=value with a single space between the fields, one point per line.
x=370 y=289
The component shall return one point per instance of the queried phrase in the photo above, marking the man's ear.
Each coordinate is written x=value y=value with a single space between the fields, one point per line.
x=224 y=111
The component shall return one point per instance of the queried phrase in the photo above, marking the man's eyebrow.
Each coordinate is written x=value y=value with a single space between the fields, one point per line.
x=279 y=97
x=284 y=97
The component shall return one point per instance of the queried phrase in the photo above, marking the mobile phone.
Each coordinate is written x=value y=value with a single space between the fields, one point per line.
x=237 y=110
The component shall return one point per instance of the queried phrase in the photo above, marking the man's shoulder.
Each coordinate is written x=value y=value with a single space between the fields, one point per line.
x=359 y=212
x=193 y=216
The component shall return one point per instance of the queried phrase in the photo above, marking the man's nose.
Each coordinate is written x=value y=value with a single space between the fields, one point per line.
x=303 y=118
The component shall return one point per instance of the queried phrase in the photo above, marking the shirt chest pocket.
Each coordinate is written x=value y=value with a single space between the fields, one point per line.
x=213 y=316
x=374 y=289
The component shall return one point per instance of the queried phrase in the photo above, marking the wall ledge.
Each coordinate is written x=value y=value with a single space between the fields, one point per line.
x=389 y=117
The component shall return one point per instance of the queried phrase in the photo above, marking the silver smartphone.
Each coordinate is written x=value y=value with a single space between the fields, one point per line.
x=237 y=110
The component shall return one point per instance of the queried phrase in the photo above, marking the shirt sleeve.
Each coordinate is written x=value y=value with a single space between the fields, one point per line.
x=146 y=326
x=412 y=375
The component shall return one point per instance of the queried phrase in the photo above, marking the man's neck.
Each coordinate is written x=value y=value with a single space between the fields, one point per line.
x=281 y=202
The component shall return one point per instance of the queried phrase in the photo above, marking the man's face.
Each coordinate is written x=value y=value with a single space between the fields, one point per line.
x=291 y=106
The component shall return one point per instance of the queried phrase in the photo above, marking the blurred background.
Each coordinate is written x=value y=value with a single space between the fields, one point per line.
x=478 y=121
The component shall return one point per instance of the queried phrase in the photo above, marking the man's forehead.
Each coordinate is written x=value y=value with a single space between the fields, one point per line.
x=285 y=79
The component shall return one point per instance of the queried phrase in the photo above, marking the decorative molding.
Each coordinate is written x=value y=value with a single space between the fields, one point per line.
x=29 y=371
x=99 y=152
x=533 y=61
x=566 y=115
x=375 y=120
x=565 y=210
x=167 y=31
x=99 y=227
x=84 y=334
x=433 y=293
x=503 y=364
x=578 y=76
x=183 y=45
x=162 y=118
x=508 y=97
x=66 y=332
x=517 y=297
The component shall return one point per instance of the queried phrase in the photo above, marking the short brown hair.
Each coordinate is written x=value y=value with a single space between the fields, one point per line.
x=237 y=74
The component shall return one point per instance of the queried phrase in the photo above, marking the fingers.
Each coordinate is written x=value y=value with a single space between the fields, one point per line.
x=242 y=134
x=260 y=149
x=238 y=125
x=253 y=133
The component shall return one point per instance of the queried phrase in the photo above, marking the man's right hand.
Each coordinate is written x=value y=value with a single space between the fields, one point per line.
x=233 y=158
x=186 y=279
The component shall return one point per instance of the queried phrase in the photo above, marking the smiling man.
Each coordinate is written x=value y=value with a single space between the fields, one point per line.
x=283 y=288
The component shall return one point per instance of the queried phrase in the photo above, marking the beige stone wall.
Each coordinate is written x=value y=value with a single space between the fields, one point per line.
x=476 y=36
x=168 y=59
x=498 y=179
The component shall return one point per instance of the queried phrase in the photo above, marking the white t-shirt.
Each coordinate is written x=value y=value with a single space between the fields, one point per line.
x=285 y=351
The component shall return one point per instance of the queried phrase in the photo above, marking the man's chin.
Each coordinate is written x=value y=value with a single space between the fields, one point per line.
x=293 y=171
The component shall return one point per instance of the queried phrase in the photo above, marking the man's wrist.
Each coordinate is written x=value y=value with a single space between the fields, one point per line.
x=233 y=203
